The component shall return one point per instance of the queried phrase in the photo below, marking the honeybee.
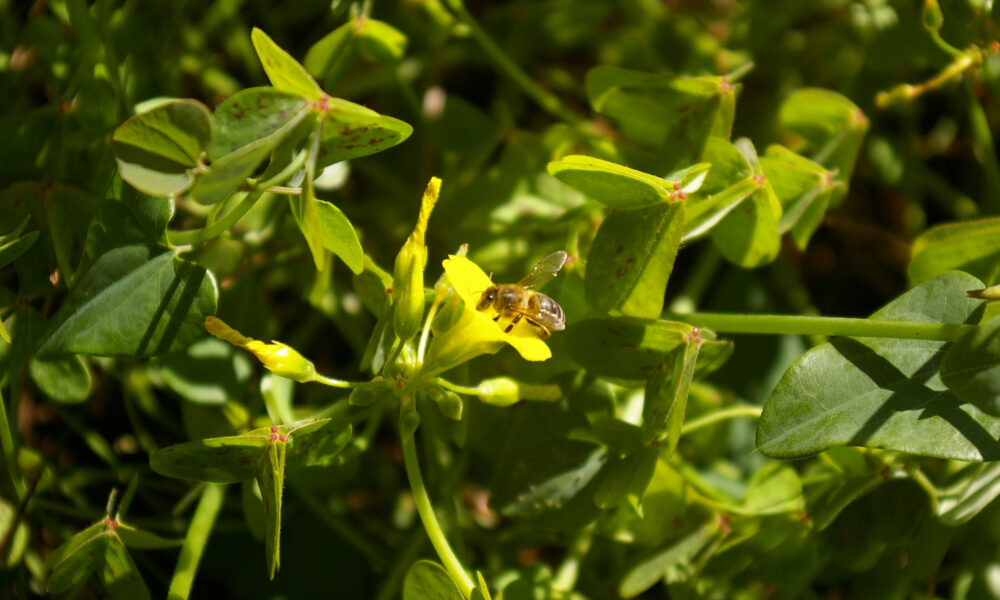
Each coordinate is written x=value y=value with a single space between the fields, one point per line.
x=520 y=301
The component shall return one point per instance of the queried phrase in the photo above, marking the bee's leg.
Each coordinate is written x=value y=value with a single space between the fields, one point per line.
x=513 y=322
x=496 y=318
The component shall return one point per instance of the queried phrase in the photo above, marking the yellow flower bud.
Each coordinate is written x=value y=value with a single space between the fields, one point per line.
x=280 y=359
x=408 y=272
x=504 y=391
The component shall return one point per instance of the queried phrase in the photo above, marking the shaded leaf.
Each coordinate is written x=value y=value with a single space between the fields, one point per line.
x=317 y=443
x=803 y=188
x=65 y=379
x=882 y=393
x=631 y=259
x=427 y=580
x=775 y=488
x=977 y=494
x=666 y=395
x=970 y=246
x=76 y=559
x=119 y=575
x=134 y=301
x=971 y=367
x=156 y=149
x=624 y=347
x=218 y=460
x=251 y=115
x=271 y=479
x=651 y=570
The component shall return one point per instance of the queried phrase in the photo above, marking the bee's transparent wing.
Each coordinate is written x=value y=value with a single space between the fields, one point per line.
x=544 y=271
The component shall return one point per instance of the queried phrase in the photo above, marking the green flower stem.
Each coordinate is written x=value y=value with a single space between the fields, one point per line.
x=426 y=333
x=195 y=541
x=9 y=452
x=337 y=383
x=549 y=102
x=458 y=389
x=802 y=325
x=565 y=578
x=429 y=519
x=733 y=412
x=194 y=236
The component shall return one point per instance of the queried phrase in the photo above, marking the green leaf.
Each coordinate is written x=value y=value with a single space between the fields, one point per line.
x=971 y=367
x=202 y=523
x=651 y=570
x=217 y=460
x=271 y=479
x=331 y=57
x=748 y=234
x=77 y=559
x=666 y=395
x=624 y=347
x=614 y=185
x=970 y=246
x=672 y=115
x=542 y=478
x=119 y=575
x=133 y=218
x=631 y=259
x=803 y=188
x=978 y=493
x=626 y=478
x=13 y=244
x=134 y=301
x=352 y=131
x=252 y=115
x=773 y=489
x=326 y=228
x=208 y=371
x=156 y=149
x=831 y=129
x=848 y=474
x=284 y=72
x=145 y=540
x=269 y=122
x=65 y=379
x=318 y=443
x=727 y=184
x=427 y=580
x=882 y=393
x=380 y=42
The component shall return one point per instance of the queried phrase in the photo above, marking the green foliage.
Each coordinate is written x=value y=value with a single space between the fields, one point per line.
x=706 y=181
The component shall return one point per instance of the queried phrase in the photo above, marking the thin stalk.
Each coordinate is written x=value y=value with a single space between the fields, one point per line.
x=9 y=451
x=195 y=541
x=805 y=325
x=733 y=412
x=549 y=102
x=194 y=236
x=426 y=511
x=458 y=389
x=426 y=332
x=565 y=578
x=337 y=383
x=16 y=519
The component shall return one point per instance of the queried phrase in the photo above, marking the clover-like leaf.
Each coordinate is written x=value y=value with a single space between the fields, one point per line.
x=880 y=392
x=156 y=150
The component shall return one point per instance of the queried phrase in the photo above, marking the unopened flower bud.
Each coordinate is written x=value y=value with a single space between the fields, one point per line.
x=504 y=391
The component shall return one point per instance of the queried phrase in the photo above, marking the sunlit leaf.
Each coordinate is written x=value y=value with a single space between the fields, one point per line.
x=285 y=73
x=882 y=393
x=134 y=301
x=157 y=149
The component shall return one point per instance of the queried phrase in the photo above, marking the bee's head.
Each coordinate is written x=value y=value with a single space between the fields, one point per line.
x=487 y=298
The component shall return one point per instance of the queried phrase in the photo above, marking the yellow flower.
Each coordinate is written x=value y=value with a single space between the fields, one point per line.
x=472 y=332
x=280 y=359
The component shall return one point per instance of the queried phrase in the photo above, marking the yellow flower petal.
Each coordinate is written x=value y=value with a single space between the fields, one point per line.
x=469 y=282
